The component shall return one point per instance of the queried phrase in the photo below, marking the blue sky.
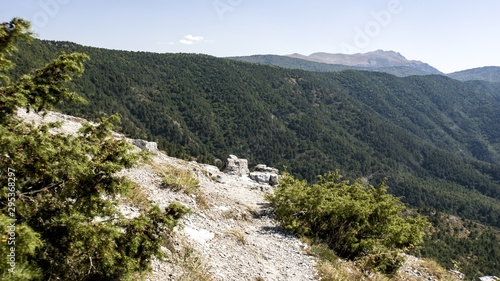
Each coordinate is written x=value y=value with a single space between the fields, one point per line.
x=449 y=35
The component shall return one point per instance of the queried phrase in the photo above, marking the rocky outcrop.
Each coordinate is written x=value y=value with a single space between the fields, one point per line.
x=233 y=235
x=264 y=174
x=145 y=145
x=236 y=166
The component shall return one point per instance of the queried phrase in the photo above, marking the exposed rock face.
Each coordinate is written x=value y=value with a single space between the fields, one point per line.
x=274 y=179
x=145 y=145
x=375 y=59
x=264 y=174
x=236 y=236
x=260 y=177
x=266 y=169
x=236 y=166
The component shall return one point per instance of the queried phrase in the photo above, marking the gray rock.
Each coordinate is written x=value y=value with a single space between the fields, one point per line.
x=264 y=168
x=260 y=177
x=260 y=167
x=236 y=166
x=265 y=174
x=274 y=179
x=145 y=145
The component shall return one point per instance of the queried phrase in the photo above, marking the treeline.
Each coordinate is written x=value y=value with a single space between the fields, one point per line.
x=434 y=138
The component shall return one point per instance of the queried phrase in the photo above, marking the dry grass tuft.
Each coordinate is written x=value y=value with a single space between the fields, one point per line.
x=345 y=271
x=193 y=266
x=136 y=196
x=237 y=215
x=436 y=270
x=177 y=179
x=202 y=201
x=240 y=238
x=188 y=264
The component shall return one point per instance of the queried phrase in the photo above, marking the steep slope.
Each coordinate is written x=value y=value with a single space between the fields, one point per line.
x=372 y=60
x=433 y=137
x=487 y=73
x=231 y=233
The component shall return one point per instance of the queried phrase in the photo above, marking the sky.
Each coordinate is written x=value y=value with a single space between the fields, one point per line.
x=449 y=35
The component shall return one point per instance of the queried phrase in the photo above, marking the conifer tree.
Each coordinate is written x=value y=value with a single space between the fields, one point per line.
x=58 y=192
x=358 y=221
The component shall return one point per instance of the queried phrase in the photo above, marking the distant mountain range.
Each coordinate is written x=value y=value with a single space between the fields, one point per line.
x=379 y=61
x=487 y=73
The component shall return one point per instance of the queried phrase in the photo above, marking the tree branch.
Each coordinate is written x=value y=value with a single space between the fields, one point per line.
x=53 y=185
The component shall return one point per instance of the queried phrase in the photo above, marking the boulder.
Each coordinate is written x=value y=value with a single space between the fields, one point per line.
x=264 y=168
x=236 y=166
x=265 y=175
x=145 y=145
x=260 y=177
x=274 y=179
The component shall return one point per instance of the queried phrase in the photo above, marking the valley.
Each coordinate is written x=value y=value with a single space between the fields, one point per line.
x=434 y=140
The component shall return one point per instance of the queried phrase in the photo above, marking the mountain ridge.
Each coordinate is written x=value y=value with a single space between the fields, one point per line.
x=435 y=139
x=365 y=123
x=375 y=59
x=308 y=65
x=485 y=73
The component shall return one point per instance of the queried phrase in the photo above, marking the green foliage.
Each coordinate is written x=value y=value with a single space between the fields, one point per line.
x=68 y=226
x=11 y=32
x=435 y=139
x=469 y=247
x=354 y=219
x=25 y=242
x=324 y=253
x=487 y=73
x=387 y=262
x=45 y=88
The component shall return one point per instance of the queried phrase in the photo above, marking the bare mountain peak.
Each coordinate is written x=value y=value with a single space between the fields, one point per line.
x=374 y=59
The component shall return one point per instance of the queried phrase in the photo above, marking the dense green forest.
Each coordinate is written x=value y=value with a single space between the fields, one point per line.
x=455 y=243
x=435 y=139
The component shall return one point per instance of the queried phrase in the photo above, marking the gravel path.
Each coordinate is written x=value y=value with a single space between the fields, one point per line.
x=232 y=235
x=236 y=235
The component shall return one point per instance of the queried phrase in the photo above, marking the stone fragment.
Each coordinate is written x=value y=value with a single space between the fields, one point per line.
x=236 y=166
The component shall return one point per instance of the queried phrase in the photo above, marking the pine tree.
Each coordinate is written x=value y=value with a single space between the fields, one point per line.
x=59 y=192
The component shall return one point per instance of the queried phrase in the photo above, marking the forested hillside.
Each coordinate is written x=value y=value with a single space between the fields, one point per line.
x=434 y=138
x=487 y=73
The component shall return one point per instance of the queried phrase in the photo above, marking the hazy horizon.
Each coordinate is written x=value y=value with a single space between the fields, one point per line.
x=448 y=36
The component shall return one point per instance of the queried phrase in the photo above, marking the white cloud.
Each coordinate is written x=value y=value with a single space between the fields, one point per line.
x=190 y=39
x=186 y=42
x=193 y=38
